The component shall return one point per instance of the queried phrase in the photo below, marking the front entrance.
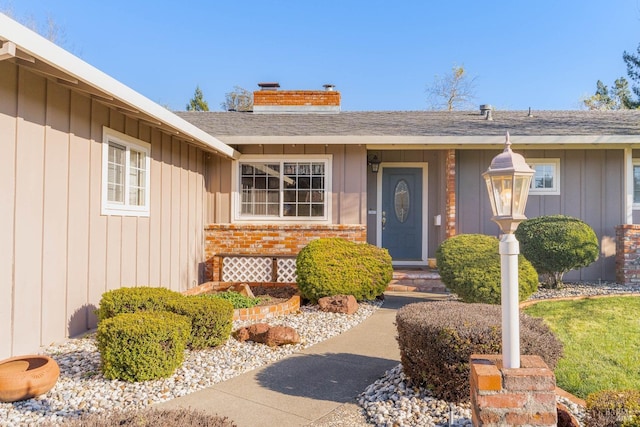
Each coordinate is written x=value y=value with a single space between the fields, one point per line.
x=402 y=227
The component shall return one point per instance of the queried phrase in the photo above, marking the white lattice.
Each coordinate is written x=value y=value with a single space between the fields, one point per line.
x=246 y=269
x=287 y=270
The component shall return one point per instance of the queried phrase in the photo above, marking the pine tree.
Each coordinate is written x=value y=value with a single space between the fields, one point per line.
x=197 y=103
x=616 y=98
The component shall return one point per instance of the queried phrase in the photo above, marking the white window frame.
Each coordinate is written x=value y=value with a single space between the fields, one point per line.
x=636 y=163
x=327 y=159
x=110 y=136
x=555 y=164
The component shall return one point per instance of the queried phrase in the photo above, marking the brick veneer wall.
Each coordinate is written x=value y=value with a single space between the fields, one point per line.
x=296 y=97
x=512 y=397
x=628 y=254
x=268 y=239
x=450 y=204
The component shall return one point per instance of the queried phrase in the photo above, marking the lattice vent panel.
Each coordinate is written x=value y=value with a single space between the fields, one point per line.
x=287 y=270
x=247 y=269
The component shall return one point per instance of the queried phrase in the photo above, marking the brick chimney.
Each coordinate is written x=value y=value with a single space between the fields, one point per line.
x=271 y=100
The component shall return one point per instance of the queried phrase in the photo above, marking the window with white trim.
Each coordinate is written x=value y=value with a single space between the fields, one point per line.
x=636 y=183
x=125 y=175
x=283 y=188
x=546 y=179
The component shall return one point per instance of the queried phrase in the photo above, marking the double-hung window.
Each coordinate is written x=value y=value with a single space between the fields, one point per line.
x=283 y=188
x=125 y=175
x=546 y=179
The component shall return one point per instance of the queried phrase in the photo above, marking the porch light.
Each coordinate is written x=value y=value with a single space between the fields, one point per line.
x=508 y=179
x=374 y=162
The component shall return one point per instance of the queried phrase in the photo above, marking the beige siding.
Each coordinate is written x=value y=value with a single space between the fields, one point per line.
x=8 y=132
x=59 y=253
x=591 y=188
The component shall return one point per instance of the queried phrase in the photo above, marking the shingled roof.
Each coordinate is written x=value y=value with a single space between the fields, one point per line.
x=418 y=123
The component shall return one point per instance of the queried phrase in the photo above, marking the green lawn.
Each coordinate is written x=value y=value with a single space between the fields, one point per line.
x=601 y=340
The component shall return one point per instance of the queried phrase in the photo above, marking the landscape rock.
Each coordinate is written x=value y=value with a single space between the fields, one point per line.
x=242 y=289
x=281 y=335
x=270 y=335
x=346 y=304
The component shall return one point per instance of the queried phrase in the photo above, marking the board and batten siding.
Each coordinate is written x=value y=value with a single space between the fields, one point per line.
x=591 y=188
x=58 y=254
x=349 y=180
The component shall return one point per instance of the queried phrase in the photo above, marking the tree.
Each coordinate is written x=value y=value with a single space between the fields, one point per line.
x=239 y=99
x=633 y=68
x=616 y=98
x=452 y=91
x=197 y=103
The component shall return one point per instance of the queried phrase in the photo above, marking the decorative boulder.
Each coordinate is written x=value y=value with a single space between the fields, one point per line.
x=346 y=304
x=242 y=289
x=24 y=377
x=269 y=335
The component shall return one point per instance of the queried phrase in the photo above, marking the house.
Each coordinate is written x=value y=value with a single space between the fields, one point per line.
x=102 y=188
x=428 y=184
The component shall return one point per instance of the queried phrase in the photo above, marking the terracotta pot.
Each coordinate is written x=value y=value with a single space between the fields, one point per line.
x=24 y=377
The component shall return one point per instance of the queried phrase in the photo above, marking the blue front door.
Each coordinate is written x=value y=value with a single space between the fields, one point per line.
x=402 y=213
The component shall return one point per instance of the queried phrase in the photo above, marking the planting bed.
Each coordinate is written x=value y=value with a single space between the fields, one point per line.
x=284 y=299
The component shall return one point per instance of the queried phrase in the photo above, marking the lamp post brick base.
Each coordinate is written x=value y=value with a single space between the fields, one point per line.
x=522 y=396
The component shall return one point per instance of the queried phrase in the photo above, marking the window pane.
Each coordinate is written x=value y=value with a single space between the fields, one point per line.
x=137 y=178
x=543 y=177
x=636 y=183
x=260 y=191
x=115 y=173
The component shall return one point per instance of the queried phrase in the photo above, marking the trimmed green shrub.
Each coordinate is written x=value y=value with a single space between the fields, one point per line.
x=211 y=319
x=436 y=340
x=469 y=266
x=149 y=418
x=556 y=244
x=237 y=299
x=335 y=266
x=132 y=300
x=632 y=422
x=142 y=346
x=610 y=408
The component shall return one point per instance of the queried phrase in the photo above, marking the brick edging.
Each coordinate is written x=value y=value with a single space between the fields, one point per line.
x=292 y=305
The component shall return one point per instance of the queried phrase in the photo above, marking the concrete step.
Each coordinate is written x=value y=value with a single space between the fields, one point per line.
x=416 y=280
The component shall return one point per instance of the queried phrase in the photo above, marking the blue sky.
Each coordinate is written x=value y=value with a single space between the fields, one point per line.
x=381 y=55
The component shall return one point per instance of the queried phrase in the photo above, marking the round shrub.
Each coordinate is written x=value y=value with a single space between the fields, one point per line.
x=148 y=418
x=613 y=408
x=334 y=266
x=132 y=300
x=436 y=340
x=556 y=244
x=469 y=266
x=142 y=346
x=211 y=319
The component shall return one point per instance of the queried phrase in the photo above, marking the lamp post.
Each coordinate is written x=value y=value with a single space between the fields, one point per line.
x=508 y=179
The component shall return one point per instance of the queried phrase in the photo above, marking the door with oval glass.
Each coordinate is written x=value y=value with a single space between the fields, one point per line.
x=402 y=213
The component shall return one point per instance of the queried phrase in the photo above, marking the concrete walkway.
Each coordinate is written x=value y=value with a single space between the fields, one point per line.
x=317 y=386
